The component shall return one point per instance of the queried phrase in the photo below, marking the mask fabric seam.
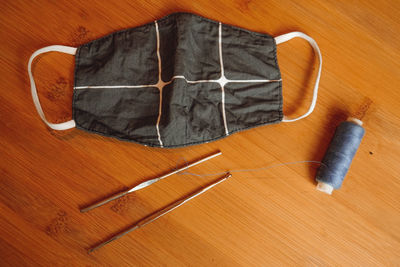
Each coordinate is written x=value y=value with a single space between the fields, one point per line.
x=121 y=31
x=264 y=123
x=74 y=95
x=280 y=82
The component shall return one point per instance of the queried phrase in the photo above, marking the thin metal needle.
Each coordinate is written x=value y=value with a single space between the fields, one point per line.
x=146 y=183
x=160 y=213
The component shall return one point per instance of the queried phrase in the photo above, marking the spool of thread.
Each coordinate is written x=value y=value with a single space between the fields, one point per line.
x=339 y=155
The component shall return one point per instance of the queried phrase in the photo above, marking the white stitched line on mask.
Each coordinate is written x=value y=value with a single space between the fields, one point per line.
x=222 y=80
x=114 y=86
x=170 y=81
x=160 y=84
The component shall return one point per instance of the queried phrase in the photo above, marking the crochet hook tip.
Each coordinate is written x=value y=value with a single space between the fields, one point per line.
x=152 y=181
x=104 y=201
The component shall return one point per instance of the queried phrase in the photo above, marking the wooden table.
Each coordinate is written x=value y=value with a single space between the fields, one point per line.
x=268 y=217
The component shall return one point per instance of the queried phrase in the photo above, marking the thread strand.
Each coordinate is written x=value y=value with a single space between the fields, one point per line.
x=249 y=170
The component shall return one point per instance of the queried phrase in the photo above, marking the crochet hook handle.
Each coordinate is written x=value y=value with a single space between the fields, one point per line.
x=146 y=183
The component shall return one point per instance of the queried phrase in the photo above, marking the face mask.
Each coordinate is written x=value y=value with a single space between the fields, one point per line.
x=178 y=81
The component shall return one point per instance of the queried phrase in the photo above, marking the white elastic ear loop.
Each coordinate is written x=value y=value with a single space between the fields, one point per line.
x=57 y=48
x=286 y=37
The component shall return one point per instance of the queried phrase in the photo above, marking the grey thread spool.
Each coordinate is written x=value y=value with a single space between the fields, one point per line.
x=339 y=155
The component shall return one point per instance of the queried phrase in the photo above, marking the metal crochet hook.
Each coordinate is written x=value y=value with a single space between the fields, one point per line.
x=146 y=183
x=160 y=213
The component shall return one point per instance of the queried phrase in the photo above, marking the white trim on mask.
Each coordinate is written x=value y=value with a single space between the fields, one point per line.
x=160 y=85
x=222 y=80
x=286 y=37
x=56 y=48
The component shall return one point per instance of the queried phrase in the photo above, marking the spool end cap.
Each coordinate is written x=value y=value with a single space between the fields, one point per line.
x=326 y=188
x=355 y=120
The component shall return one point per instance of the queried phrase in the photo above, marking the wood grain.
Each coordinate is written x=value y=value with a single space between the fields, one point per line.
x=270 y=217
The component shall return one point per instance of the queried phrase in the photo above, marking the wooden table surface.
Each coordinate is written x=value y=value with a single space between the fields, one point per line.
x=273 y=216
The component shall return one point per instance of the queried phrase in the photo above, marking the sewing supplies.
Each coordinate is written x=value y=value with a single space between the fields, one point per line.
x=331 y=173
x=339 y=155
x=231 y=83
x=147 y=183
x=160 y=213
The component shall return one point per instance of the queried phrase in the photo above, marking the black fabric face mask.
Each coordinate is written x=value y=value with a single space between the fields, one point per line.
x=177 y=81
